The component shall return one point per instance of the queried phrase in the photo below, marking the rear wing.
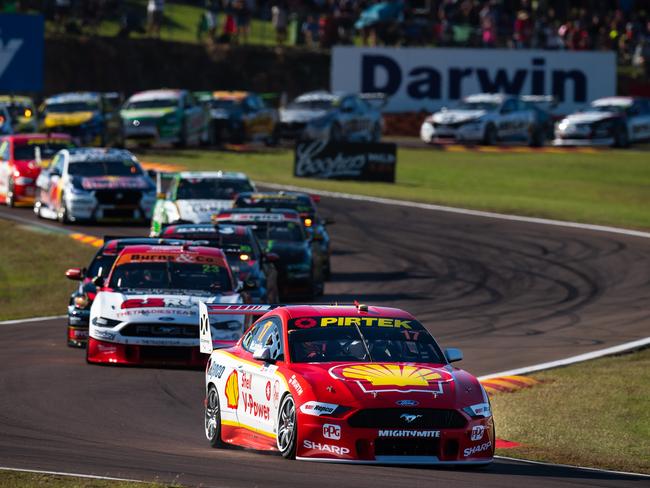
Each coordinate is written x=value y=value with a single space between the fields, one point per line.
x=207 y=309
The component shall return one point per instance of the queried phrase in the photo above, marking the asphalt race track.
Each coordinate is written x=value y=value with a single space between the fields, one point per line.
x=509 y=294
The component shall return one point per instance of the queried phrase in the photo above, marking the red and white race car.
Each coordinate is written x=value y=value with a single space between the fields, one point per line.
x=343 y=383
x=146 y=311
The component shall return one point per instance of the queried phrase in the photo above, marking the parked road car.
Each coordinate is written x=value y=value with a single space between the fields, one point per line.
x=91 y=118
x=302 y=203
x=91 y=184
x=193 y=197
x=280 y=231
x=247 y=260
x=611 y=121
x=83 y=296
x=359 y=384
x=486 y=118
x=337 y=116
x=22 y=156
x=21 y=112
x=146 y=310
x=166 y=116
x=240 y=116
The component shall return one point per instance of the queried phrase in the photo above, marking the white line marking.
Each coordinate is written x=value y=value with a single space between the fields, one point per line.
x=76 y=475
x=628 y=346
x=32 y=319
x=572 y=466
x=463 y=211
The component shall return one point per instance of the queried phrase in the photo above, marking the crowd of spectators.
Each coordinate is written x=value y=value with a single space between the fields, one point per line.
x=619 y=25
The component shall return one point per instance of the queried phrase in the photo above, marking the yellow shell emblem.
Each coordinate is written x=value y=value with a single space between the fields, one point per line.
x=232 y=390
x=391 y=374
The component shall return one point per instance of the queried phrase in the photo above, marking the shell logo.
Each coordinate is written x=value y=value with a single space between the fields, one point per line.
x=232 y=390
x=375 y=377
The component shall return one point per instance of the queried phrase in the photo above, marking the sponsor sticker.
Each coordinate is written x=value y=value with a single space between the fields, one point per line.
x=477 y=432
x=317 y=446
x=388 y=322
x=216 y=370
x=476 y=449
x=318 y=408
x=293 y=381
x=268 y=391
x=332 y=431
x=432 y=434
x=232 y=390
x=255 y=408
x=378 y=377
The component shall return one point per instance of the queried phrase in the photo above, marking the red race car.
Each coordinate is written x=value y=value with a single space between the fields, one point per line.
x=343 y=383
x=21 y=158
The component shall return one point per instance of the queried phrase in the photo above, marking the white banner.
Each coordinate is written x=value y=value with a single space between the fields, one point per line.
x=429 y=78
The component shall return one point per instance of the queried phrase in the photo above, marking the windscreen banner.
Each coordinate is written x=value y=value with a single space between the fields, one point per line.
x=21 y=53
x=416 y=79
x=363 y=161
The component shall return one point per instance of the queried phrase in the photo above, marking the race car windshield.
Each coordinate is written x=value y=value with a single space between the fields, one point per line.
x=392 y=342
x=104 y=168
x=69 y=107
x=154 y=103
x=171 y=275
x=297 y=205
x=101 y=265
x=278 y=231
x=223 y=104
x=611 y=108
x=210 y=189
x=315 y=104
x=48 y=149
x=489 y=106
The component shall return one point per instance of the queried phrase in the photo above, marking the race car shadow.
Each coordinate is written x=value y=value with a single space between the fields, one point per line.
x=515 y=468
x=370 y=297
x=376 y=276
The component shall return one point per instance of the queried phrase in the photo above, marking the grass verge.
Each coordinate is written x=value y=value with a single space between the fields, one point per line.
x=15 y=479
x=606 y=187
x=594 y=414
x=32 y=267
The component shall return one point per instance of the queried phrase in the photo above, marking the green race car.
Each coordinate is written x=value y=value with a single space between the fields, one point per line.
x=166 y=116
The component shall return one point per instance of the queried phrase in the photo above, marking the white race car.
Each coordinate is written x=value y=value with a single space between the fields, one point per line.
x=146 y=311
x=486 y=118
x=612 y=121
x=194 y=197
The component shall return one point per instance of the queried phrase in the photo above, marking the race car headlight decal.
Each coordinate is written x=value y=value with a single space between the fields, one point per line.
x=480 y=410
x=81 y=301
x=320 y=409
x=104 y=322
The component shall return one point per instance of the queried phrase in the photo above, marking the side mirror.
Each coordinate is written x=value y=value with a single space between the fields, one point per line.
x=452 y=354
x=74 y=274
x=98 y=281
x=271 y=257
x=263 y=354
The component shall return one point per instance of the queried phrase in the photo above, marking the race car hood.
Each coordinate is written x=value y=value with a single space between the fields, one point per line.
x=147 y=113
x=588 y=117
x=457 y=116
x=112 y=183
x=178 y=308
x=201 y=211
x=289 y=252
x=300 y=115
x=390 y=385
x=70 y=119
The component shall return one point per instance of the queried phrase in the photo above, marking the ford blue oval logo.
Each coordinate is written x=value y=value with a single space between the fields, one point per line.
x=407 y=403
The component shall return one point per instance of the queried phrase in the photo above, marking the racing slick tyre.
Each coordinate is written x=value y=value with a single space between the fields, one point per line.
x=213 y=419
x=287 y=428
x=537 y=137
x=490 y=135
x=10 y=201
x=621 y=138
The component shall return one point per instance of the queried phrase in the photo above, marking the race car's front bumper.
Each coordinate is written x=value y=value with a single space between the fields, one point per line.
x=469 y=132
x=78 y=326
x=102 y=352
x=86 y=207
x=333 y=439
x=584 y=142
